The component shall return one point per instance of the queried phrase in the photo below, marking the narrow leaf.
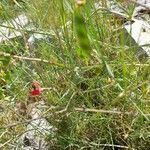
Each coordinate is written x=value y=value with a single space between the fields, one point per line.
x=81 y=34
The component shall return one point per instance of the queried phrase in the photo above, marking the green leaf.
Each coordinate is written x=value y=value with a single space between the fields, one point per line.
x=8 y=76
x=5 y=60
x=82 y=35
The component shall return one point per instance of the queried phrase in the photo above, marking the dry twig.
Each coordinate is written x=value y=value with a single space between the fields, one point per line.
x=33 y=59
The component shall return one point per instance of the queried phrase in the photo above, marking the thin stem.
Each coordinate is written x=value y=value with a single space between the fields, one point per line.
x=32 y=59
x=62 y=65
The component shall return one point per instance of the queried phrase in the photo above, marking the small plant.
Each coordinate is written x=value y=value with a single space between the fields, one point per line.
x=99 y=90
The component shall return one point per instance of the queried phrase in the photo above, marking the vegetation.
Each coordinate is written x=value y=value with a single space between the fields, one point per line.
x=90 y=64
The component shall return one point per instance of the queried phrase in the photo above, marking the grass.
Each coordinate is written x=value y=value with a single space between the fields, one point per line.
x=108 y=77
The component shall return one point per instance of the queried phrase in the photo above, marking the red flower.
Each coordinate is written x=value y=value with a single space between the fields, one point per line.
x=37 y=89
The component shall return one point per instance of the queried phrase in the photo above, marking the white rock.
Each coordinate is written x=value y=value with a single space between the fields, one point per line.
x=6 y=31
x=139 y=30
x=37 y=130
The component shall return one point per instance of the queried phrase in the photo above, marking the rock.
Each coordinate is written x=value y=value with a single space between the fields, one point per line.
x=10 y=29
x=36 y=130
x=35 y=38
x=138 y=28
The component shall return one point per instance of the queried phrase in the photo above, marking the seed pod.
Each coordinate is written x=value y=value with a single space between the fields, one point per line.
x=80 y=2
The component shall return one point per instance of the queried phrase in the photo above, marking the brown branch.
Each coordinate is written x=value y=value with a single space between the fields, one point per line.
x=58 y=64
x=78 y=109
x=33 y=59
x=103 y=111
x=93 y=110
x=111 y=145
